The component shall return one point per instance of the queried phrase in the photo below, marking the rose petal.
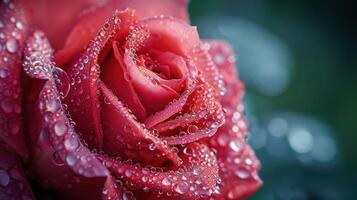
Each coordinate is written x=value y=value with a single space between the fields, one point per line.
x=208 y=68
x=127 y=136
x=90 y=22
x=203 y=115
x=197 y=177
x=146 y=83
x=13 y=181
x=13 y=31
x=62 y=137
x=114 y=74
x=175 y=36
x=82 y=99
x=238 y=164
x=39 y=12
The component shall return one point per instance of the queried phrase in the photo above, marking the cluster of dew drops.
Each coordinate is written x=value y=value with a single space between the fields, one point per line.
x=9 y=91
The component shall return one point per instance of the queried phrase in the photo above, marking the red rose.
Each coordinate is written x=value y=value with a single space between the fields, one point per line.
x=119 y=100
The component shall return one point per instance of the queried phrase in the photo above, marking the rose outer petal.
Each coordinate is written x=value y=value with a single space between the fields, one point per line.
x=61 y=133
x=10 y=68
x=82 y=99
x=238 y=163
x=90 y=22
x=13 y=181
x=196 y=179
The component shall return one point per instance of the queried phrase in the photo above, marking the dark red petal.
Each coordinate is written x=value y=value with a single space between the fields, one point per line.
x=146 y=83
x=61 y=135
x=203 y=115
x=92 y=19
x=208 y=68
x=13 y=29
x=197 y=177
x=238 y=164
x=63 y=14
x=13 y=181
x=82 y=99
x=126 y=136
x=172 y=108
x=112 y=190
x=115 y=76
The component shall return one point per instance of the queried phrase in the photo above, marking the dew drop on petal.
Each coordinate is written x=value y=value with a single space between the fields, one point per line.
x=152 y=146
x=60 y=128
x=166 y=181
x=52 y=105
x=71 y=143
x=4 y=178
x=6 y=105
x=56 y=160
x=11 y=45
x=70 y=159
x=3 y=73
x=234 y=145
x=62 y=81
x=182 y=187
x=242 y=173
x=146 y=189
x=127 y=195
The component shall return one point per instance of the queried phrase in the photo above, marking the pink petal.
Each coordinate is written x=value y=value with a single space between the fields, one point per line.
x=203 y=115
x=197 y=177
x=82 y=99
x=114 y=74
x=238 y=164
x=11 y=46
x=13 y=181
x=125 y=136
x=61 y=135
x=63 y=14
x=91 y=20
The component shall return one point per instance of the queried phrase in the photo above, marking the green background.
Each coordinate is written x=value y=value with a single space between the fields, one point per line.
x=313 y=46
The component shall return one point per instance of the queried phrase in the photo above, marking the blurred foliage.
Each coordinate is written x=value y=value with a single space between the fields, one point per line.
x=321 y=37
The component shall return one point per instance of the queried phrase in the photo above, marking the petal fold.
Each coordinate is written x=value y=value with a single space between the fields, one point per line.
x=13 y=32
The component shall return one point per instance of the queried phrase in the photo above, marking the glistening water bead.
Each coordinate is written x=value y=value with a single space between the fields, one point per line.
x=11 y=45
x=4 y=178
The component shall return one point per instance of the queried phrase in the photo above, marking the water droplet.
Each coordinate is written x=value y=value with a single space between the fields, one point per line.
x=52 y=105
x=116 y=20
x=127 y=195
x=6 y=105
x=242 y=173
x=62 y=81
x=192 y=129
x=182 y=187
x=234 y=145
x=128 y=173
x=166 y=181
x=56 y=159
x=11 y=45
x=187 y=151
x=19 y=25
x=3 y=73
x=248 y=161
x=152 y=146
x=4 y=178
x=70 y=159
x=146 y=189
x=144 y=179
x=71 y=143
x=85 y=59
x=60 y=128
